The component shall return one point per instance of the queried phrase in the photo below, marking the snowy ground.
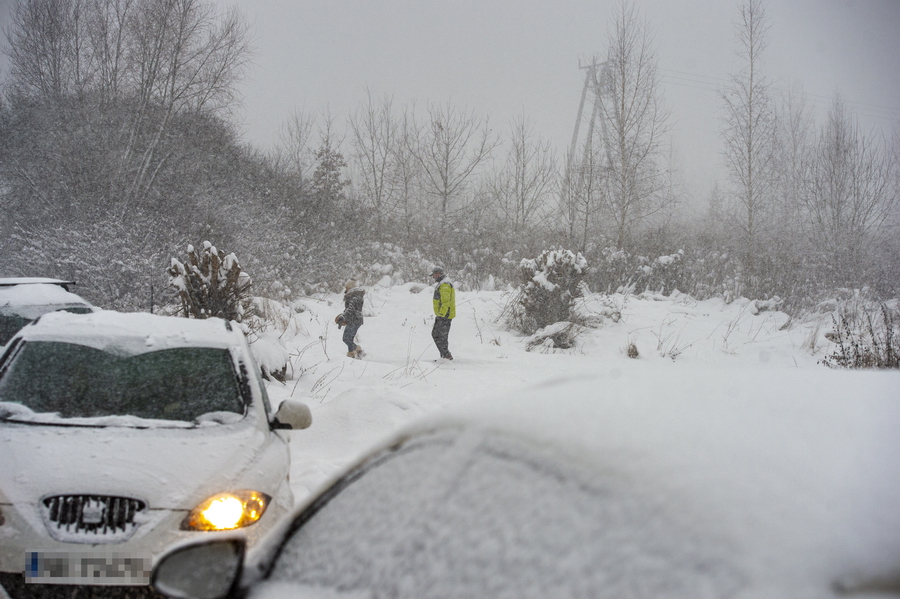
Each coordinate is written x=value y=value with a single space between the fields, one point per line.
x=357 y=402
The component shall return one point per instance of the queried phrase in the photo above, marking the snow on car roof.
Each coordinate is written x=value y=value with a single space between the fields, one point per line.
x=38 y=294
x=133 y=332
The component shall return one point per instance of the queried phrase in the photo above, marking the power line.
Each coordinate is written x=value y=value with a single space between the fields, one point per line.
x=716 y=84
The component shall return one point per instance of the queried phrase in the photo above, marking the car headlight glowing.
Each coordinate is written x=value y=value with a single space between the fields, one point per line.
x=227 y=511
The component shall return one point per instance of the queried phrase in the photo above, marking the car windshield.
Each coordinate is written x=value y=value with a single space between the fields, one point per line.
x=487 y=518
x=76 y=381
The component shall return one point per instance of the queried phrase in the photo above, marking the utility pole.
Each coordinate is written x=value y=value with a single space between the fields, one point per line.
x=573 y=182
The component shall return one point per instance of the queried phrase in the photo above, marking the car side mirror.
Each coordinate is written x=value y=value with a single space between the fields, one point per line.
x=206 y=570
x=292 y=414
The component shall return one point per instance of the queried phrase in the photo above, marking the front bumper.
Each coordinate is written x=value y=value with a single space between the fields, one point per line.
x=24 y=534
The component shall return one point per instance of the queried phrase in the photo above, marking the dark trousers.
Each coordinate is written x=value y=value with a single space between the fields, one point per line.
x=349 y=333
x=440 y=332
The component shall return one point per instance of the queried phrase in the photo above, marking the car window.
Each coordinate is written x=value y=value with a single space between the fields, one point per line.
x=10 y=324
x=77 y=381
x=13 y=319
x=493 y=519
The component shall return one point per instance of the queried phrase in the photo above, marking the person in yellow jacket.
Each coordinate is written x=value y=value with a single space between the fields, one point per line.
x=444 y=310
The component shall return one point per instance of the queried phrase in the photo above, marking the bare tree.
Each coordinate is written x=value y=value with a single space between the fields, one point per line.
x=104 y=96
x=107 y=29
x=714 y=217
x=795 y=133
x=408 y=173
x=450 y=148
x=583 y=195
x=46 y=52
x=174 y=54
x=635 y=123
x=850 y=194
x=520 y=190
x=184 y=56
x=750 y=133
x=375 y=140
x=293 y=154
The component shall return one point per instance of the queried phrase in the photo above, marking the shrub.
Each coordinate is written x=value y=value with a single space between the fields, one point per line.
x=100 y=256
x=211 y=284
x=617 y=270
x=560 y=335
x=866 y=339
x=549 y=284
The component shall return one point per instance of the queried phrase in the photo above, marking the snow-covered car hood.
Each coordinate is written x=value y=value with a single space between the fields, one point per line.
x=168 y=467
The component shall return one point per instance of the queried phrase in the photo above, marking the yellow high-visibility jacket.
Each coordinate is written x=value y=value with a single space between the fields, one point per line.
x=444 y=299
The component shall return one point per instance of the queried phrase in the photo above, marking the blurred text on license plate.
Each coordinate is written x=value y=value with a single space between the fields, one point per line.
x=87 y=567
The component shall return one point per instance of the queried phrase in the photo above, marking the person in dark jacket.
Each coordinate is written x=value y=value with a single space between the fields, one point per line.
x=352 y=317
x=444 y=311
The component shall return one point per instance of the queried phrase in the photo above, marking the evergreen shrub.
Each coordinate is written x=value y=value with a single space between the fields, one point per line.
x=210 y=284
x=549 y=285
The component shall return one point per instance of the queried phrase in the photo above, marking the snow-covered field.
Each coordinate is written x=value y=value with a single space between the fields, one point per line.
x=731 y=399
x=722 y=412
x=718 y=348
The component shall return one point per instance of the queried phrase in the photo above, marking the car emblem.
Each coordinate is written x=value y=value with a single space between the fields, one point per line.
x=93 y=512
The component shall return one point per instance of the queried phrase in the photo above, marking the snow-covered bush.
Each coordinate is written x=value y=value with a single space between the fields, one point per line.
x=210 y=283
x=481 y=269
x=118 y=265
x=665 y=272
x=549 y=284
x=615 y=270
x=268 y=326
x=557 y=336
x=270 y=354
x=711 y=273
x=380 y=264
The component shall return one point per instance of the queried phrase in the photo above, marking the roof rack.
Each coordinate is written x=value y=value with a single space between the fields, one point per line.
x=13 y=281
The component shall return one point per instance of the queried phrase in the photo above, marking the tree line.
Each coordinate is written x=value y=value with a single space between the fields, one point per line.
x=118 y=149
x=822 y=200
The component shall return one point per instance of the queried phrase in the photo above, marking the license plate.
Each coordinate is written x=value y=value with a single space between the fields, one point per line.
x=87 y=567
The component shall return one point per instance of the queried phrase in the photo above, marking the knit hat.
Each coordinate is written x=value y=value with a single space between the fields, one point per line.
x=349 y=285
x=437 y=270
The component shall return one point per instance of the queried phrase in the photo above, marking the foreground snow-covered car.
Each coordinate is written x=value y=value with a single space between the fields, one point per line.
x=24 y=299
x=597 y=488
x=121 y=434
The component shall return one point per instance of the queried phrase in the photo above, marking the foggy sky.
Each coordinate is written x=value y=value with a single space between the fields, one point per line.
x=505 y=58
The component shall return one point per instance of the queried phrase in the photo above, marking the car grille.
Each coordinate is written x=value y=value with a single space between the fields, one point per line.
x=91 y=518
